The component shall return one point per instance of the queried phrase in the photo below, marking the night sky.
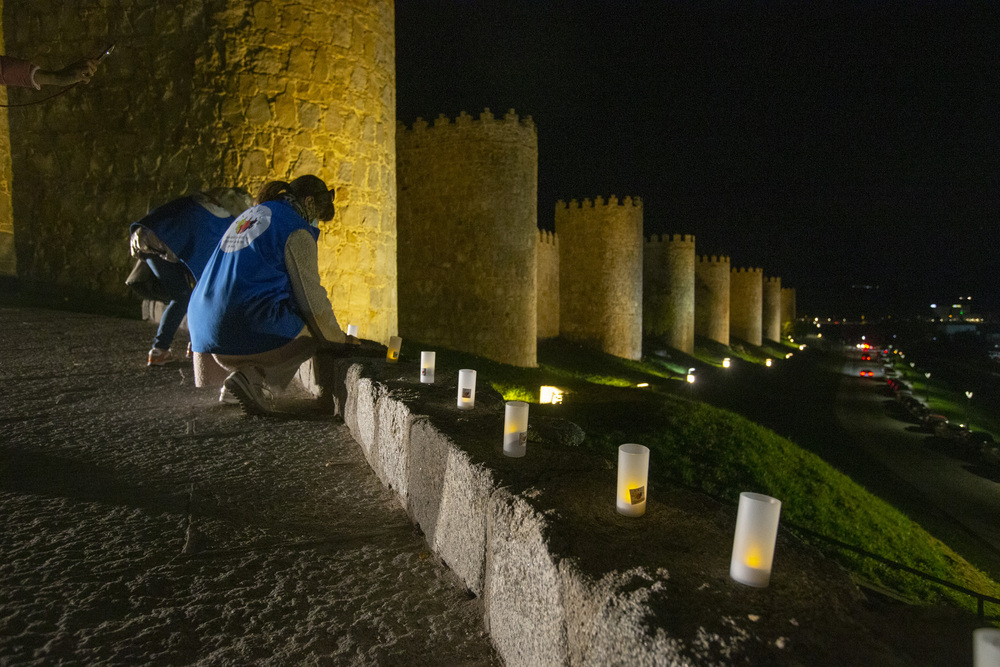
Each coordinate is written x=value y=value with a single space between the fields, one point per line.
x=833 y=146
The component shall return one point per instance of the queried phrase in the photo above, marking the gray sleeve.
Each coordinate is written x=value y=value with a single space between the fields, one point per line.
x=314 y=307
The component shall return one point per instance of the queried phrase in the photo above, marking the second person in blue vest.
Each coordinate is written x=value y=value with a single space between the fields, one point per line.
x=259 y=309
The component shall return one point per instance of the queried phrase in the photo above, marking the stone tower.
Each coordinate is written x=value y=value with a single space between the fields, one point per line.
x=787 y=307
x=547 y=281
x=746 y=304
x=668 y=292
x=468 y=235
x=711 y=299
x=600 y=274
x=198 y=94
x=771 y=309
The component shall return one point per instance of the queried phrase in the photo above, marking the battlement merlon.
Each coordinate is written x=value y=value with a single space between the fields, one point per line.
x=547 y=237
x=772 y=279
x=465 y=120
x=714 y=259
x=635 y=202
x=749 y=270
x=673 y=239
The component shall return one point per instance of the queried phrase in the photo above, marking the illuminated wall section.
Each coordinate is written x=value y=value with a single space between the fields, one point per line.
x=711 y=298
x=787 y=308
x=548 y=284
x=668 y=289
x=199 y=94
x=771 y=309
x=600 y=274
x=746 y=304
x=468 y=235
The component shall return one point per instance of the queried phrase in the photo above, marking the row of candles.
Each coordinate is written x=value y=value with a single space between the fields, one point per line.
x=757 y=516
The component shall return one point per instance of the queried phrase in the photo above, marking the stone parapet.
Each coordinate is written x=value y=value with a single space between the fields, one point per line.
x=561 y=576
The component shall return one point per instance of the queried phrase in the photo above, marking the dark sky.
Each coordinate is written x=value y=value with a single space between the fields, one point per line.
x=831 y=145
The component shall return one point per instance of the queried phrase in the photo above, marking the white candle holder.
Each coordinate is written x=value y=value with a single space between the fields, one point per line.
x=427 y=360
x=515 y=429
x=633 y=473
x=985 y=647
x=352 y=330
x=727 y=362
x=768 y=362
x=395 y=343
x=547 y=394
x=466 y=389
x=753 y=543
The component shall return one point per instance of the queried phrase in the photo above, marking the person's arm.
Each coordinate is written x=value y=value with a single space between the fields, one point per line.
x=78 y=72
x=302 y=262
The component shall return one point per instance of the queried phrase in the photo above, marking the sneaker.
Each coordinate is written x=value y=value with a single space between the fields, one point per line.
x=227 y=397
x=160 y=357
x=253 y=396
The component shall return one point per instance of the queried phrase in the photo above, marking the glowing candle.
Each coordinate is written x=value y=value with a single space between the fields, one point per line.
x=392 y=354
x=726 y=362
x=768 y=363
x=986 y=647
x=427 y=360
x=352 y=330
x=753 y=543
x=466 y=389
x=550 y=394
x=633 y=471
x=515 y=429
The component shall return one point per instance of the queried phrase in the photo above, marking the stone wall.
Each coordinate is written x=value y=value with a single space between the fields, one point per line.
x=8 y=257
x=600 y=274
x=547 y=281
x=668 y=290
x=711 y=300
x=787 y=307
x=771 y=309
x=468 y=235
x=746 y=304
x=201 y=93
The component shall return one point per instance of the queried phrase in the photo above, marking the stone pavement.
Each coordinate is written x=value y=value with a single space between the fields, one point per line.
x=144 y=523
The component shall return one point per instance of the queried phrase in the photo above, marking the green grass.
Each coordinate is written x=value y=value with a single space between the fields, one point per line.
x=723 y=454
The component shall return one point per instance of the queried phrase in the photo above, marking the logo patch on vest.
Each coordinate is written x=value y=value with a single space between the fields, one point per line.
x=252 y=223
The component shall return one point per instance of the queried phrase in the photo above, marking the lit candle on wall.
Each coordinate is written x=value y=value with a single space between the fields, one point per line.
x=466 y=389
x=515 y=429
x=427 y=360
x=633 y=472
x=753 y=543
x=395 y=342
x=352 y=330
x=986 y=647
x=726 y=362
x=768 y=363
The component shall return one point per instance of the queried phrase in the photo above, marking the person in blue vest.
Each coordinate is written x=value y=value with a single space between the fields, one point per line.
x=175 y=242
x=260 y=310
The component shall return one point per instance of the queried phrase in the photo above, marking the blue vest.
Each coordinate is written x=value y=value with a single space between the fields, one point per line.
x=243 y=303
x=189 y=229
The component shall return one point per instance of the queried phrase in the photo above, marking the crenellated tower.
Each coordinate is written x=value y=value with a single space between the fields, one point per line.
x=771 y=309
x=668 y=289
x=468 y=234
x=547 y=281
x=746 y=304
x=711 y=298
x=600 y=274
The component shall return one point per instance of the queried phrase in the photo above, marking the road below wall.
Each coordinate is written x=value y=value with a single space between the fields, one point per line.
x=146 y=523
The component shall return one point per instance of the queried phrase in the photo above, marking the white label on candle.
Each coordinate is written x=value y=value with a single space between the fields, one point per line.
x=637 y=495
x=466 y=392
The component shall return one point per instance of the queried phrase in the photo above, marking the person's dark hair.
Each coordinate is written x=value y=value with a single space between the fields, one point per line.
x=300 y=188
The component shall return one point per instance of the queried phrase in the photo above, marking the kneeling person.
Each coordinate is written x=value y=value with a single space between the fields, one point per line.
x=259 y=309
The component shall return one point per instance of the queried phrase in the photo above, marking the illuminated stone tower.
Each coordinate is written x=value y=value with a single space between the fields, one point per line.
x=771 y=309
x=711 y=298
x=468 y=235
x=787 y=308
x=200 y=94
x=600 y=274
x=746 y=304
x=548 y=284
x=668 y=292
